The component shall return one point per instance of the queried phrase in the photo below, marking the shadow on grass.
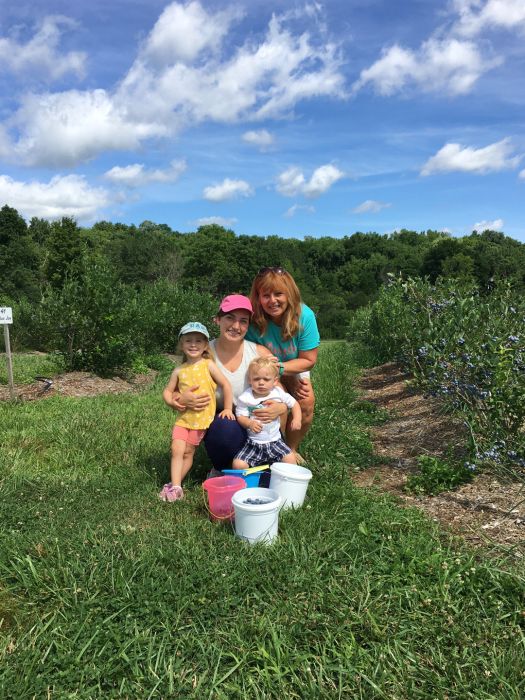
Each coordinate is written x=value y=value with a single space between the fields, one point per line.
x=157 y=466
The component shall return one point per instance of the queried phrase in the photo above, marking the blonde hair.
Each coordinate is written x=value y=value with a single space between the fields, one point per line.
x=276 y=280
x=260 y=362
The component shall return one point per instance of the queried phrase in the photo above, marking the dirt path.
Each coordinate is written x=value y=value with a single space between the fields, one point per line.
x=485 y=512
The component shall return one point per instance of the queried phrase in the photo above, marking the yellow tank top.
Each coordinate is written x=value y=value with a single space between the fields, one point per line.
x=191 y=375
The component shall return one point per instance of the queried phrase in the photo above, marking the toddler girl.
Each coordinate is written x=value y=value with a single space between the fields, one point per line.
x=190 y=426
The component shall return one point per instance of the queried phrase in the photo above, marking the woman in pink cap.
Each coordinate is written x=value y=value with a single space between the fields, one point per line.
x=232 y=354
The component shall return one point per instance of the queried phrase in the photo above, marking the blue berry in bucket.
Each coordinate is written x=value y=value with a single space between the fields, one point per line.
x=256 y=501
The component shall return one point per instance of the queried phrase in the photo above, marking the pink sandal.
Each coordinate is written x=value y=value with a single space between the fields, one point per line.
x=171 y=493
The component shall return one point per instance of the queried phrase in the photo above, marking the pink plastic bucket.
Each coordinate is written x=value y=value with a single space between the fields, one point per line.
x=220 y=490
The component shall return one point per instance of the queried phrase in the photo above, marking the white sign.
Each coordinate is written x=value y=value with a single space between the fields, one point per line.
x=6 y=314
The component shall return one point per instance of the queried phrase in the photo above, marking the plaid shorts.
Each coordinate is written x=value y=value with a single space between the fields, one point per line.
x=255 y=453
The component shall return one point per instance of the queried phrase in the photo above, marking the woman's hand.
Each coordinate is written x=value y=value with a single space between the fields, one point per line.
x=270 y=411
x=299 y=388
x=226 y=413
x=190 y=399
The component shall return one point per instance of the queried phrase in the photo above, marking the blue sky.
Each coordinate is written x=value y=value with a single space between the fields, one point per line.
x=271 y=118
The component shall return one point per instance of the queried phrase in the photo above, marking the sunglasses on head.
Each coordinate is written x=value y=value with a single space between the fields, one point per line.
x=275 y=270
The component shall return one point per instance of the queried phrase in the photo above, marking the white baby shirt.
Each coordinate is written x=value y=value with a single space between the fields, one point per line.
x=246 y=404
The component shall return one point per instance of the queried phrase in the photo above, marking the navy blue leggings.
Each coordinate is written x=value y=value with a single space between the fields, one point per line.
x=223 y=439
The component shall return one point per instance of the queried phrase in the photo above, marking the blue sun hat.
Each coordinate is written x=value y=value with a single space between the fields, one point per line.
x=194 y=327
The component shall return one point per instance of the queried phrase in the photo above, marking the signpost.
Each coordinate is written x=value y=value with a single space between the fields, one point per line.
x=6 y=317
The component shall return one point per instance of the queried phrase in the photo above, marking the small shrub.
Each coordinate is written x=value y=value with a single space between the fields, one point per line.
x=87 y=321
x=159 y=310
x=159 y=362
x=437 y=475
x=23 y=332
x=143 y=363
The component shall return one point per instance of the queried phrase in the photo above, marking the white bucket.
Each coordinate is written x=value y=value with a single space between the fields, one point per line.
x=290 y=481
x=256 y=522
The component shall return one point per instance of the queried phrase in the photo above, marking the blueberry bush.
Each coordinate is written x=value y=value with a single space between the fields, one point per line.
x=465 y=345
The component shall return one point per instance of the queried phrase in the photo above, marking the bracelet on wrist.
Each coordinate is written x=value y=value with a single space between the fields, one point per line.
x=281 y=369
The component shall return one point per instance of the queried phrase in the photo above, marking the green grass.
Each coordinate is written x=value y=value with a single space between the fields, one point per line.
x=27 y=366
x=107 y=593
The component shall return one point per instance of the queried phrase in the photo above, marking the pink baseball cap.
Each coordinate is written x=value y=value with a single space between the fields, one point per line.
x=235 y=301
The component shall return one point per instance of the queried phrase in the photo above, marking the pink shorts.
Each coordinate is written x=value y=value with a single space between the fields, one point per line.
x=192 y=437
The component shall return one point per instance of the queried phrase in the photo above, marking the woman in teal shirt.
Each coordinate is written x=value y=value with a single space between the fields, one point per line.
x=287 y=327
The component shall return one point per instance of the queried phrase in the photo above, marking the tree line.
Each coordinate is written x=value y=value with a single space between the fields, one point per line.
x=335 y=275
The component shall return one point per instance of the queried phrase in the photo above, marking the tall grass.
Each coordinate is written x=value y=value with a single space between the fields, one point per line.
x=105 y=592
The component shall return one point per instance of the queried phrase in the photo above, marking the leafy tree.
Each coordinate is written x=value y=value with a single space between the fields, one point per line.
x=439 y=251
x=363 y=245
x=364 y=274
x=145 y=254
x=211 y=260
x=18 y=257
x=39 y=230
x=459 y=266
x=64 y=250
x=332 y=314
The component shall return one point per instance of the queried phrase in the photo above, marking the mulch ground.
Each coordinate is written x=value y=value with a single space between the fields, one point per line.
x=78 y=384
x=487 y=512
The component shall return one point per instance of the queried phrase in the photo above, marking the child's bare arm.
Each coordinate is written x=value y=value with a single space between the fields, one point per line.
x=249 y=423
x=221 y=380
x=171 y=387
x=297 y=417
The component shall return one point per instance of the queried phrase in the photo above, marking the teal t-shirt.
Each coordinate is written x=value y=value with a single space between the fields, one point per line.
x=307 y=337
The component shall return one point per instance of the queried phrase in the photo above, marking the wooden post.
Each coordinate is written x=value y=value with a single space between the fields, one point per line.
x=9 y=362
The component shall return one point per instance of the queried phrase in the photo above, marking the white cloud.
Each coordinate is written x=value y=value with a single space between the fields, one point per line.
x=522 y=174
x=66 y=128
x=39 y=57
x=475 y=16
x=219 y=220
x=322 y=179
x=137 y=175
x=448 y=65
x=187 y=71
x=262 y=138
x=256 y=81
x=227 y=189
x=70 y=195
x=496 y=225
x=370 y=205
x=292 y=211
x=292 y=182
x=182 y=32
x=455 y=157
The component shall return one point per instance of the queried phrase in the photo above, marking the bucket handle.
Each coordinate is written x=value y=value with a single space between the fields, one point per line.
x=216 y=517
